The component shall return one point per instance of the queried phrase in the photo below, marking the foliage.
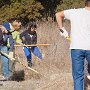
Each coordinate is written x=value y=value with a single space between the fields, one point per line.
x=33 y=9
x=4 y=2
x=68 y=4
x=49 y=8
x=21 y=9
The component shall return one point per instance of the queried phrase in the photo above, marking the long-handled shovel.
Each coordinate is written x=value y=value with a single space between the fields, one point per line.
x=19 y=62
x=33 y=45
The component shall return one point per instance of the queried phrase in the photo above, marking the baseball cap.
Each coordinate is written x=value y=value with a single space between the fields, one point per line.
x=7 y=25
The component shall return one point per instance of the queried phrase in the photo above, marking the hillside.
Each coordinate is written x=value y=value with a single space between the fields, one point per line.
x=54 y=70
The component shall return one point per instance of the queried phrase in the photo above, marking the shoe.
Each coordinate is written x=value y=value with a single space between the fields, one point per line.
x=29 y=64
x=5 y=79
x=2 y=77
x=88 y=77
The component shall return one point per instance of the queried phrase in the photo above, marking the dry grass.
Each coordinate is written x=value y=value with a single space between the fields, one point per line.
x=55 y=69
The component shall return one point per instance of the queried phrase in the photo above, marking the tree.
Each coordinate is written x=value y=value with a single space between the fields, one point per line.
x=68 y=4
x=21 y=9
x=49 y=7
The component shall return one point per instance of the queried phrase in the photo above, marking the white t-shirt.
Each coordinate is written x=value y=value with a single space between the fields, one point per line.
x=80 y=28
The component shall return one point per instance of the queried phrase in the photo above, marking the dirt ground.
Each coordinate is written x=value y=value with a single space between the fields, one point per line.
x=54 y=71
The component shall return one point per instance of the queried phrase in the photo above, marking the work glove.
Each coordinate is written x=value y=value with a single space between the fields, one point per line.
x=63 y=32
x=11 y=54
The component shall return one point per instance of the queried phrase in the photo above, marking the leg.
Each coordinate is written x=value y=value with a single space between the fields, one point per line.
x=78 y=57
x=28 y=56
x=5 y=61
x=36 y=52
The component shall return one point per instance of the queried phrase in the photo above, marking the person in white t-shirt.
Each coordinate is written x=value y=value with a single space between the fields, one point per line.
x=79 y=40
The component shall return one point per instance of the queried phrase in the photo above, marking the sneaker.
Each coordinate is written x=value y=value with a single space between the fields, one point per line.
x=4 y=79
x=88 y=77
x=29 y=64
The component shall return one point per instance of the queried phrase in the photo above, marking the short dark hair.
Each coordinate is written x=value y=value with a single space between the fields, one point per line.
x=87 y=3
x=14 y=19
x=32 y=24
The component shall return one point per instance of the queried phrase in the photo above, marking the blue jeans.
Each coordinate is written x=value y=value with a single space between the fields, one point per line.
x=5 y=61
x=34 y=50
x=78 y=57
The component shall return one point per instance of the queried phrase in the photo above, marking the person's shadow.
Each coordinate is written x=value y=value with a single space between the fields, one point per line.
x=18 y=76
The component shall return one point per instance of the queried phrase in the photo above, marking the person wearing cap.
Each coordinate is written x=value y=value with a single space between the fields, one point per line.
x=8 y=36
x=80 y=40
x=28 y=37
x=4 y=49
x=13 y=34
x=14 y=27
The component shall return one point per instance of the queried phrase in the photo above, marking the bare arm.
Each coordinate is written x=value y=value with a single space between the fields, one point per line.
x=59 y=17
